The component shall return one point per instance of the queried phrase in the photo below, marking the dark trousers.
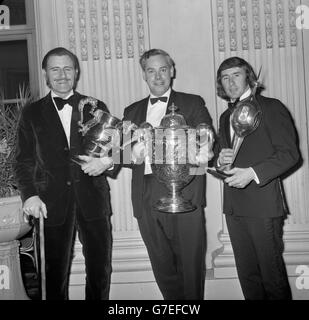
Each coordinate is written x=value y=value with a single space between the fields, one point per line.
x=176 y=244
x=96 y=239
x=258 y=246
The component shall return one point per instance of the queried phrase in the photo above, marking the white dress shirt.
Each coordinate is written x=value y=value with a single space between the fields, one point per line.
x=155 y=113
x=65 y=115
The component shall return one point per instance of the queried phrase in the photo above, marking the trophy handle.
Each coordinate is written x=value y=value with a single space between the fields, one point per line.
x=96 y=114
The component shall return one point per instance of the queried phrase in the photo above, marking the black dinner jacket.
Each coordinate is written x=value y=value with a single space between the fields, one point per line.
x=192 y=107
x=44 y=167
x=270 y=150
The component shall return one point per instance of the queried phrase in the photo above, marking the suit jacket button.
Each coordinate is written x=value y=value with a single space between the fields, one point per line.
x=69 y=183
x=66 y=149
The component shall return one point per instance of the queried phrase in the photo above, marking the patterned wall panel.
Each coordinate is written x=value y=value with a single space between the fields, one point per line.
x=117 y=17
x=243 y=19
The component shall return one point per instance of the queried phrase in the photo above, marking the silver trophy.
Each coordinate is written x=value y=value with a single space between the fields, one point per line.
x=245 y=118
x=100 y=133
x=171 y=144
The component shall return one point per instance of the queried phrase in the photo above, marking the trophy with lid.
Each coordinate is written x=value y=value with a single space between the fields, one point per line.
x=170 y=145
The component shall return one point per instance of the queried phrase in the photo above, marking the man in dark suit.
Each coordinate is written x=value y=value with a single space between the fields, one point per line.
x=253 y=196
x=176 y=243
x=69 y=196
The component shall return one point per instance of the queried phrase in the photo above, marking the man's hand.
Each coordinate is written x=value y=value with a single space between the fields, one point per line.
x=95 y=166
x=33 y=206
x=225 y=157
x=203 y=155
x=240 y=178
x=139 y=152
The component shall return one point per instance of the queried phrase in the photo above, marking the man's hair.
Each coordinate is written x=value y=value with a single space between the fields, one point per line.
x=155 y=52
x=231 y=63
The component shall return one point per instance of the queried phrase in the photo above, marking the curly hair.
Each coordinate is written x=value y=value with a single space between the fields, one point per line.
x=231 y=63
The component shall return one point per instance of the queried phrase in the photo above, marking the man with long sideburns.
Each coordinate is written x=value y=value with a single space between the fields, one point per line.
x=253 y=203
x=69 y=196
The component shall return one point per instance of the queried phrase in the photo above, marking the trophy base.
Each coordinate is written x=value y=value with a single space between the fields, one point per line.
x=177 y=206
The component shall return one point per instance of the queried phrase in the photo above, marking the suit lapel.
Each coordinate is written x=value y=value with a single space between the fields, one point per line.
x=141 y=112
x=227 y=129
x=171 y=100
x=74 y=135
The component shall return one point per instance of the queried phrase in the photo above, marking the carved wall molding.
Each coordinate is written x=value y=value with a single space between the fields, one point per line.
x=71 y=25
x=140 y=26
x=292 y=22
x=268 y=23
x=82 y=30
x=276 y=19
x=232 y=25
x=256 y=24
x=244 y=24
x=106 y=31
x=94 y=29
x=115 y=26
x=280 y=23
x=129 y=28
x=220 y=25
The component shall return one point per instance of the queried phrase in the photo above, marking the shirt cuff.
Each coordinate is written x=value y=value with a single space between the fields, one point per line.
x=256 y=179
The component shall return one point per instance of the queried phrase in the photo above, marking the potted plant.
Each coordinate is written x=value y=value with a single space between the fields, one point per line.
x=9 y=117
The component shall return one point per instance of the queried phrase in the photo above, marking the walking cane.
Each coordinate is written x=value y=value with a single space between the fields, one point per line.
x=42 y=256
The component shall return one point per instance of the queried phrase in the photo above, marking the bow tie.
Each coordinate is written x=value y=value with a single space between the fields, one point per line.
x=60 y=103
x=232 y=105
x=154 y=100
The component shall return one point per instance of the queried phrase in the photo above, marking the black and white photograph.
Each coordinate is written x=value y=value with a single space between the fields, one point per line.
x=154 y=153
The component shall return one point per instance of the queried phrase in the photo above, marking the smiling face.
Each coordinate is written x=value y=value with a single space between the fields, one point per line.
x=158 y=74
x=234 y=82
x=60 y=74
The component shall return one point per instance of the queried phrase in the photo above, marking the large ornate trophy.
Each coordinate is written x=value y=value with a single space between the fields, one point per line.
x=245 y=118
x=101 y=133
x=170 y=148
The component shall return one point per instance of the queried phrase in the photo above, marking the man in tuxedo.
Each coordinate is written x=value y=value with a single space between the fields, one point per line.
x=69 y=196
x=176 y=243
x=254 y=205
